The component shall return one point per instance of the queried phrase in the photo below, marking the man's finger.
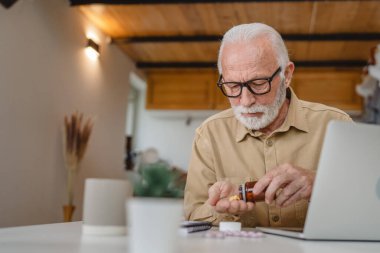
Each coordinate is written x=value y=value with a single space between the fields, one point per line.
x=218 y=191
x=296 y=196
x=277 y=183
x=262 y=184
x=288 y=192
x=214 y=194
x=245 y=206
x=222 y=205
x=250 y=206
x=234 y=206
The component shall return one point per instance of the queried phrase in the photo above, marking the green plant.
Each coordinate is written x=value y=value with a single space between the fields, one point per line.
x=159 y=180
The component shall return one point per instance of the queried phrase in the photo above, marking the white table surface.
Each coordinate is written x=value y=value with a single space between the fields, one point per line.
x=67 y=237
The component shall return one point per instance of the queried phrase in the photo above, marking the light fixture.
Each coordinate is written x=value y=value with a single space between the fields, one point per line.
x=7 y=3
x=92 y=49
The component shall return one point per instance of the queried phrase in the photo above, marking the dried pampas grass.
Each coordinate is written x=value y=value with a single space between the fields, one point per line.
x=75 y=141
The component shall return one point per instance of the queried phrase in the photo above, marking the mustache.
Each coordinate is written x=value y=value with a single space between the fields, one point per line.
x=251 y=109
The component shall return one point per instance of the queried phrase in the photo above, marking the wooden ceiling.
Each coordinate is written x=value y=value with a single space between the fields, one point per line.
x=187 y=33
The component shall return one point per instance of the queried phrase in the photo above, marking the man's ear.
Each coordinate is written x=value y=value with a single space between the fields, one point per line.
x=289 y=73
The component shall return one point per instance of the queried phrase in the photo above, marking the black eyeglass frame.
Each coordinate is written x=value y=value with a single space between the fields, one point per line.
x=245 y=84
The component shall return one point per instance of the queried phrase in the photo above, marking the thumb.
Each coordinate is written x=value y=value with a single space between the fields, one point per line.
x=218 y=191
x=214 y=194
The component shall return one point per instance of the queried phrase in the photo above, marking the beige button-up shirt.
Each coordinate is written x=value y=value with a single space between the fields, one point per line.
x=224 y=149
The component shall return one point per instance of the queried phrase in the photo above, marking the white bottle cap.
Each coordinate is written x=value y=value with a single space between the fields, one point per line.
x=229 y=226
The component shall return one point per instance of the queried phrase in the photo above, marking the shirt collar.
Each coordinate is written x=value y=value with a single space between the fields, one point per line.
x=295 y=118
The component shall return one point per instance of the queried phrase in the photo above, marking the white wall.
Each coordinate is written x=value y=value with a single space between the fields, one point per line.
x=44 y=74
x=167 y=131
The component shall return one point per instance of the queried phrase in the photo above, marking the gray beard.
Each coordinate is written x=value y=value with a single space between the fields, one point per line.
x=270 y=112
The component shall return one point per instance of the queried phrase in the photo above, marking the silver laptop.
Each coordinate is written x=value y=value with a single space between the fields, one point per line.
x=345 y=202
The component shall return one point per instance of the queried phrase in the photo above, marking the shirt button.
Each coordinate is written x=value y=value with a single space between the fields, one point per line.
x=275 y=218
x=270 y=143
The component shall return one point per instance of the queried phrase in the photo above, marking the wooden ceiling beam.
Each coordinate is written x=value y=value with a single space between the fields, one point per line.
x=161 y=39
x=160 y=65
x=217 y=38
x=306 y=64
x=125 y=2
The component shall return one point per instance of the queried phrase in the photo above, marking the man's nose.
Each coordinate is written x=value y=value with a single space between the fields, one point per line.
x=247 y=98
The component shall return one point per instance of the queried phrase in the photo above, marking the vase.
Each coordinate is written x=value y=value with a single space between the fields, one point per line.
x=104 y=206
x=68 y=211
x=153 y=224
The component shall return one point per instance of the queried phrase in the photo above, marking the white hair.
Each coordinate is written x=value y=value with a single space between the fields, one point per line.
x=247 y=33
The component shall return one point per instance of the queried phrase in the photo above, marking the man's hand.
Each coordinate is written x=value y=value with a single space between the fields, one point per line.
x=218 y=197
x=296 y=184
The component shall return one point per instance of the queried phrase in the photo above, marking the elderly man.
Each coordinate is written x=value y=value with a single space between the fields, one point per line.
x=268 y=135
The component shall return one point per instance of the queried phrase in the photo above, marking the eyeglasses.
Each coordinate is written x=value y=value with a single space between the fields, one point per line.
x=258 y=86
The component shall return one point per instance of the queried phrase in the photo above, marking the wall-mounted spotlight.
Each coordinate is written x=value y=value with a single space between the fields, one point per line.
x=7 y=3
x=92 y=49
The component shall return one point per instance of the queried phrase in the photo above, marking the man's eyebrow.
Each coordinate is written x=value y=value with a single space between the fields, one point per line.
x=251 y=78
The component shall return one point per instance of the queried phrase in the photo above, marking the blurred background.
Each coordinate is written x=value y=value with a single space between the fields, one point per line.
x=145 y=71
